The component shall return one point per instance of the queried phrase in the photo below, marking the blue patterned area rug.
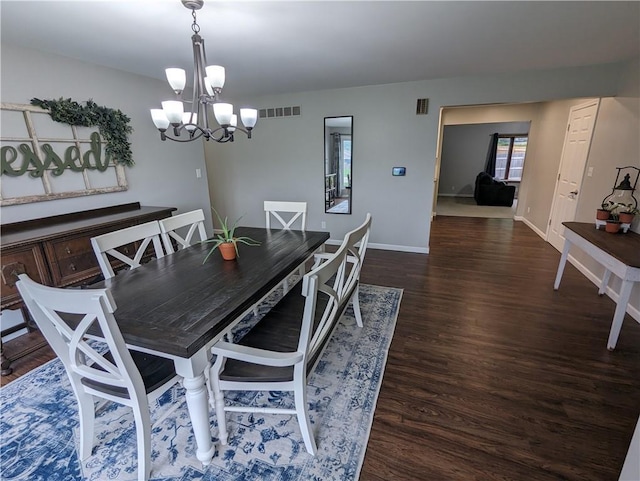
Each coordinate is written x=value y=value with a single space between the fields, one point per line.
x=39 y=421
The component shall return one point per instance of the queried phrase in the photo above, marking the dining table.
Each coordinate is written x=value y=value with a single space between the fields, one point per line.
x=178 y=306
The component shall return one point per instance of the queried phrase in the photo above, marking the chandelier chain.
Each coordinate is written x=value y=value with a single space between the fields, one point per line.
x=195 y=27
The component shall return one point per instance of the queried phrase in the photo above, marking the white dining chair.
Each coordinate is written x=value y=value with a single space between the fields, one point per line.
x=193 y=220
x=292 y=211
x=356 y=242
x=106 y=245
x=64 y=316
x=281 y=350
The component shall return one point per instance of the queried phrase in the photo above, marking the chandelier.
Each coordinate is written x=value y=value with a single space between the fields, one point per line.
x=207 y=86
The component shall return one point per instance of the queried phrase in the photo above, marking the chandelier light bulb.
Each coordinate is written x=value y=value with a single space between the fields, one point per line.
x=233 y=124
x=207 y=85
x=177 y=78
x=190 y=121
x=159 y=118
x=216 y=76
x=249 y=117
x=223 y=113
x=173 y=109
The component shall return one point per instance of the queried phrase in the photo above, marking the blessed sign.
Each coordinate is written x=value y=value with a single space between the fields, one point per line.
x=45 y=160
x=16 y=162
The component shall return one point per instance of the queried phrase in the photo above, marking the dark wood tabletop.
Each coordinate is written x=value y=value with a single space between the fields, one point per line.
x=624 y=247
x=177 y=304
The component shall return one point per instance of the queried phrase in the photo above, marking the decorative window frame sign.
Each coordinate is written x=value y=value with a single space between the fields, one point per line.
x=46 y=160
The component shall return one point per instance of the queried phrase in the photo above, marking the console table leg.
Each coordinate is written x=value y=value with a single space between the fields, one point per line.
x=618 y=316
x=561 y=264
x=605 y=282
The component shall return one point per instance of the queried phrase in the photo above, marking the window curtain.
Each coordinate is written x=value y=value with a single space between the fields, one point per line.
x=335 y=159
x=490 y=164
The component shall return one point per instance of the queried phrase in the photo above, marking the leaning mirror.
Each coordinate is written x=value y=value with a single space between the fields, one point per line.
x=338 y=161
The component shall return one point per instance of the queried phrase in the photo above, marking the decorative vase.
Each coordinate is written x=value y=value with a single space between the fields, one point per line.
x=228 y=251
x=626 y=218
x=612 y=227
x=602 y=214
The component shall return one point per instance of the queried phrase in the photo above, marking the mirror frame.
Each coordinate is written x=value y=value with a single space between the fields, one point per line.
x=333 y=189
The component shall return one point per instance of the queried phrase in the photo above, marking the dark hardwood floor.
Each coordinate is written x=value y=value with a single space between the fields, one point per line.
x=493 y=375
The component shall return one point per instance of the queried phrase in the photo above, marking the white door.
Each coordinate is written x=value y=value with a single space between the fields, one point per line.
x=572 y=164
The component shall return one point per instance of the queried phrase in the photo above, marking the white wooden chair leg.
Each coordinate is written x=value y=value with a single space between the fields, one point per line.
x=300 y=394
x=86 y=414
x=219 y=402
x=143 y=434
x=355 y=301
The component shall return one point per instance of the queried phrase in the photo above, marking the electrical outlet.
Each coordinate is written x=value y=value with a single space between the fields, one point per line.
x=323 y=224
x=528 y=209
x=198 y=173
x=590 y=172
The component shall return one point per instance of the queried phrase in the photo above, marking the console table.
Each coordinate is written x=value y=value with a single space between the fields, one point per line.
x=618 y=253
x=56 y=251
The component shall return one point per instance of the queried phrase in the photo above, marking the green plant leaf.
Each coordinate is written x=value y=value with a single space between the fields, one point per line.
x=112 y=124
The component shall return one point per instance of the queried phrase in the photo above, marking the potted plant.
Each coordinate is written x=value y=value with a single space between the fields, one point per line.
x=226 y=241
x=627 y=214
x=613 y=223
x=604 y=212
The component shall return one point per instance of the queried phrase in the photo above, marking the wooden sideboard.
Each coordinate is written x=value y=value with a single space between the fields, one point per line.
x=56 y=251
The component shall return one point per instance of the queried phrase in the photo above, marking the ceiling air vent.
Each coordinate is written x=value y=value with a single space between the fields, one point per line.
x=279 y=112
x=422 y=106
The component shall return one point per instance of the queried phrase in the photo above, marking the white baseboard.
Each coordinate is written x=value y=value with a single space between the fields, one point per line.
x=387 y=247
x=455 y=195
x=531 y=226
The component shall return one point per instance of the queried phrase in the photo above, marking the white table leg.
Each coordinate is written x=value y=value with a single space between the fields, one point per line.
x=618 y=316
x=192 y=371
x=563 y=262
x=605 y=282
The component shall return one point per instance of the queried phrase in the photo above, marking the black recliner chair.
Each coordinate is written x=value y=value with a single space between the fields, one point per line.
x=490 y=191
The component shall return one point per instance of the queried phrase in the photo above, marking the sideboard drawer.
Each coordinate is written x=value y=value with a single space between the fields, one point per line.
x=28 y=260
x=72 y=260
x=73 y=247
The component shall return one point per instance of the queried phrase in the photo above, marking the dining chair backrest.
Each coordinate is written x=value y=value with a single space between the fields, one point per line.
x=55 y=311
x=294 y=210
x=105 y=368
x=194 y=220
x=141 y=235
x=356 y=242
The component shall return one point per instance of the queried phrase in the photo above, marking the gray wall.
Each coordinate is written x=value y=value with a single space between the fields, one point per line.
x=284 y=160
x=464 y=153
x=164 y=172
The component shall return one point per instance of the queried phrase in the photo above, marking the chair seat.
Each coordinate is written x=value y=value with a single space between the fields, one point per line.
x=279 y=331
x=155 y=371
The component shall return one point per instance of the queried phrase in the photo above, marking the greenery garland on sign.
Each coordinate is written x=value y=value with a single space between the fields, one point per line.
x=112 y=124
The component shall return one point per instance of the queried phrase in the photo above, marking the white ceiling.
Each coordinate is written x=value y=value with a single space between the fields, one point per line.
x=289 y=46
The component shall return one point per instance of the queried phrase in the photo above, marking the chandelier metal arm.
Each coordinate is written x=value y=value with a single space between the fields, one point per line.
x=197 y=132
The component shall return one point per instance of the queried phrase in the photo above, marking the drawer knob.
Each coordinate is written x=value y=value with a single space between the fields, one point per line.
x=72 y=267
x=68 y=250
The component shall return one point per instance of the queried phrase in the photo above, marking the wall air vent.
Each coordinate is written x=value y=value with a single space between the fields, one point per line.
x=279 y=112
x=422 y=106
